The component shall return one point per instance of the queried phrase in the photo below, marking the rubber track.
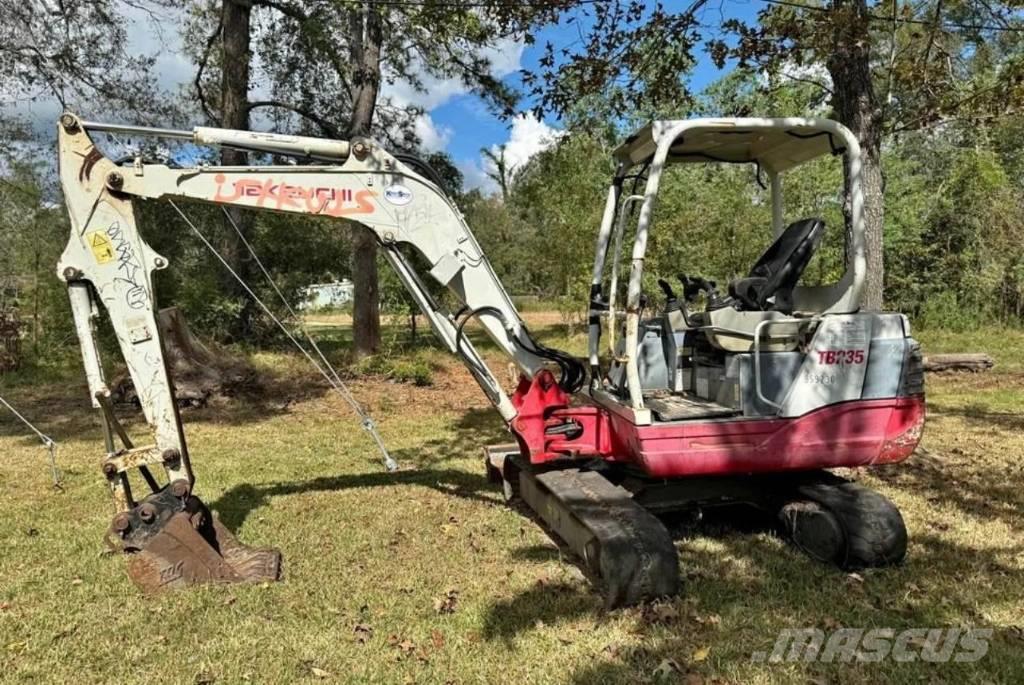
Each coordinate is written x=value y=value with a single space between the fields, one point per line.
x=622 y=543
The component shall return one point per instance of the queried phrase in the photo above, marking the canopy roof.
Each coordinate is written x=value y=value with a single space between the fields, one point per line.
x=776 y=144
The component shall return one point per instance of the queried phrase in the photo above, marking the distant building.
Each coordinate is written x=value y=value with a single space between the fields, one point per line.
x=327 y=295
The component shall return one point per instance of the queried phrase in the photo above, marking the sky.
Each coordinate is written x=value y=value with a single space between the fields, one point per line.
x=455 y=120
x=464 y=125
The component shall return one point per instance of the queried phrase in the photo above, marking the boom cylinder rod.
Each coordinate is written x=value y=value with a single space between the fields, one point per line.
x=256 y=141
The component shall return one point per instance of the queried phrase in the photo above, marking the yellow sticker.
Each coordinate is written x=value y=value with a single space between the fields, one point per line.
x=102 y=248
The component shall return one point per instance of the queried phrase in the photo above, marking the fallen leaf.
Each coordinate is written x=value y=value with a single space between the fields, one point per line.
x=319 y=672
x=612 y=649
x=701 y=654
x=363 y=632
x=407 y=646
x=230 y=600
x=437 y=639
x=204 y=678
x=856 y=577
x=446 y=604
x=77 y=581
x=4 y=606
x=666 y=669
x=831 y=624
x=660 y=612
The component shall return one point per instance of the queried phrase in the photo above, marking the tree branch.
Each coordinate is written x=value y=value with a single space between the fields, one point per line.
x=325 y=126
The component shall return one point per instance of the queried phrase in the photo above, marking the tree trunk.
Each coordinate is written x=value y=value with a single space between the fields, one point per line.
x=235 y=115
x=365 y=46
x=855 y=105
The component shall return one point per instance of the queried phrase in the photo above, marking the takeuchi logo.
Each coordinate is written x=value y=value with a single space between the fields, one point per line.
x=275 y=195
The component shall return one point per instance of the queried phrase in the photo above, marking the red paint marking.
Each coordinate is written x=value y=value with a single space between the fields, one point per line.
x=282 y=196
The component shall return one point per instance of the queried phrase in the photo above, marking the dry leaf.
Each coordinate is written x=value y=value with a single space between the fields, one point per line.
x=856 y=577
x=363 y=632
x=76 y=581
x=204 y=678
x=319 y=672
x=660 y=612
x=701 y=654
x=666 y=669
x=4 y=606
x=407 y=646
x=437 y=639
x=446 y=604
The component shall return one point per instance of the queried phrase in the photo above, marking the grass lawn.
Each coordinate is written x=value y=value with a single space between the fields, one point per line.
x=370 y=556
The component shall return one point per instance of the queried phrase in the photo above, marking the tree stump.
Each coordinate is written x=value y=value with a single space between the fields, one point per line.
x=198 y=372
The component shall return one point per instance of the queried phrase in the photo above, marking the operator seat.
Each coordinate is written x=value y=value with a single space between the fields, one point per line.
x=779 y=269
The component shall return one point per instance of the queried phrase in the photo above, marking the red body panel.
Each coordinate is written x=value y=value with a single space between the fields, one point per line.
x=846 y=434
x=855 y=433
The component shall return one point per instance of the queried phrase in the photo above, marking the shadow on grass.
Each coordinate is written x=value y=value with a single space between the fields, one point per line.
x=235 y=505
x=992 y=493
x=473 y=429
x=761 y=590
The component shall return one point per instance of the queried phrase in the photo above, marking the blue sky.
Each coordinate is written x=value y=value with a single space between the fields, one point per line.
x=468 y=126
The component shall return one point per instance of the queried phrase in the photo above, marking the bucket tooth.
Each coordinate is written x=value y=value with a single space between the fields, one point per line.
x=173 y=543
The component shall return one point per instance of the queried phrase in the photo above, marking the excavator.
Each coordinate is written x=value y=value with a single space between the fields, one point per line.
x=746 y=395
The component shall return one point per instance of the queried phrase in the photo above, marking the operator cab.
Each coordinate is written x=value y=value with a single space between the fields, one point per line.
x=740 y=348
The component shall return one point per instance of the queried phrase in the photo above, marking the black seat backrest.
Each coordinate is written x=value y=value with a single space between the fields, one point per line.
x=779 y=269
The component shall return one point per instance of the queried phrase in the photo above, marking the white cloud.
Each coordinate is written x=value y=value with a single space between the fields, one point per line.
x=432 y=137
x=474 y=176
x=527 y=136
x=505 y=57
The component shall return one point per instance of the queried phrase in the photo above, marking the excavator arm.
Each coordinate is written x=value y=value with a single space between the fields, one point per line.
x=107 y=263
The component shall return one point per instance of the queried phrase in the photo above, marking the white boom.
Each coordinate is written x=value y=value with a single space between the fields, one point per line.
x=107 y=262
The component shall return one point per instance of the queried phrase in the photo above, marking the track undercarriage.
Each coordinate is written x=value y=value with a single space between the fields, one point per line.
x=610 y=518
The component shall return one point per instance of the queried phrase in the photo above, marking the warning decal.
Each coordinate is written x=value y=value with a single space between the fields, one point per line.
x=102 y=248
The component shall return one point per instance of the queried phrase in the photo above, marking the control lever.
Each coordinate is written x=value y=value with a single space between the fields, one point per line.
x=695 y=285
x=673 y=301
x=670 y=295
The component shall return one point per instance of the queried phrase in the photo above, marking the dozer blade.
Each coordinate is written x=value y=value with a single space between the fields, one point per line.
x=174 y=543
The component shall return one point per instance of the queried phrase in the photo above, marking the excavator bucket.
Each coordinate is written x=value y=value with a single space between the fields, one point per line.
x=174 y=544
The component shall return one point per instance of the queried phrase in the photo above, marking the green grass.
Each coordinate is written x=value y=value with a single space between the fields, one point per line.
x=369 y=549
